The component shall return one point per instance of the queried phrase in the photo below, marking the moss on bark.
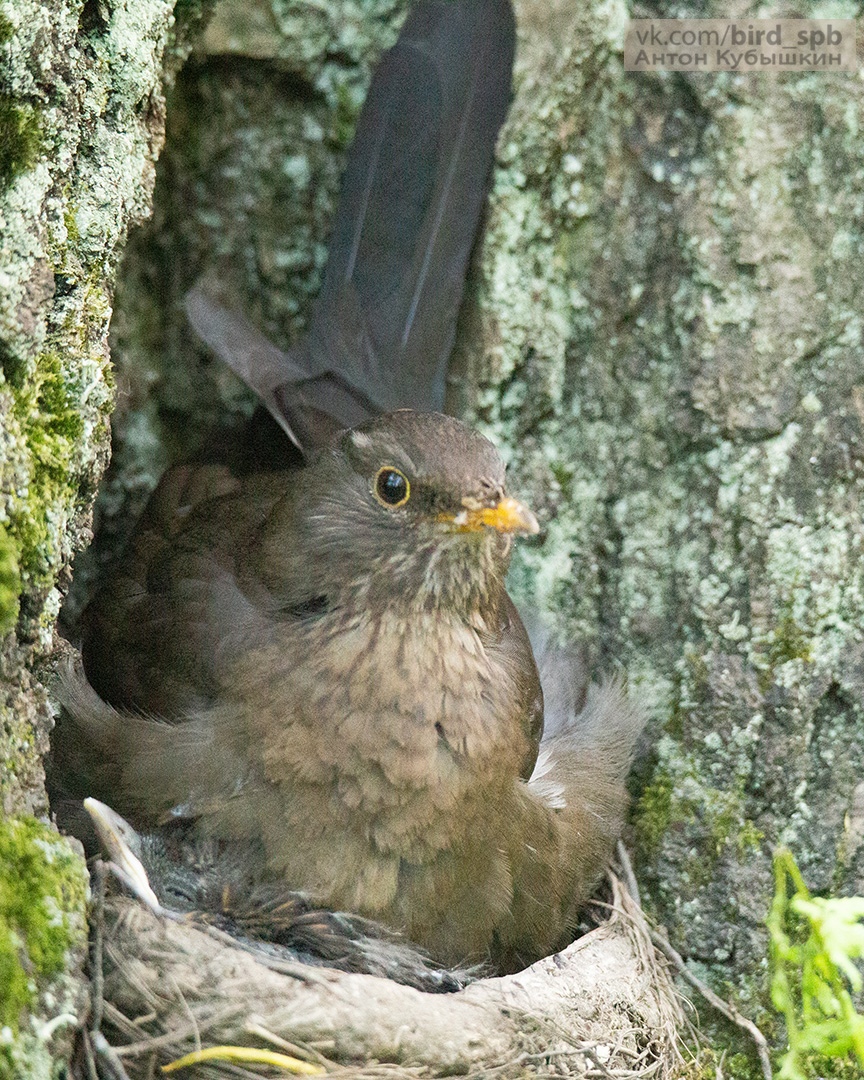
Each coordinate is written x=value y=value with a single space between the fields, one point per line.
x=43 y=889
x=81 y=125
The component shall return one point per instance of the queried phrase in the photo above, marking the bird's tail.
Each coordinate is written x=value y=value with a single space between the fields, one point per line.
x=382 y=328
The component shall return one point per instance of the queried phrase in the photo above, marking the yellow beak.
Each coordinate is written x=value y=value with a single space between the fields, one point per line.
x=509 y=516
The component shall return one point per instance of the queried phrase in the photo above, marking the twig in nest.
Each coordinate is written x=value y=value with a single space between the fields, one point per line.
x=627 y=872
x=596 y=1062
x=725 y=1007
x=89 y=1060
x=248 y=1054
x=108 y=1056
x=192 y=1018
x=97 y=998
x=157 y=1042
x=673 y=1018
x=307 y=1053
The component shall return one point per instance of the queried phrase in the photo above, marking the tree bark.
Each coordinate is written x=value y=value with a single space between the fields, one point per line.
x=81 y=126
x=663 y=334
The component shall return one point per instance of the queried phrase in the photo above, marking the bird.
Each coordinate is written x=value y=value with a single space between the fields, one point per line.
x=318 y=669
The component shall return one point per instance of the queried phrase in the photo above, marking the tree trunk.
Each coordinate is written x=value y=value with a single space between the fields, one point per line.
x=81 y=125
x=662 y=333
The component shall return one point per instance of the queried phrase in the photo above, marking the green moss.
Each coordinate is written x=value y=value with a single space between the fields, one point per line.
x=791 y=641
x=723 y=813
x=654 y=812
x=748 y=837
x=711 y=1063
x=43 y=891
x=671 y=798
x=20 y=139
x=52 y=428
x=830 y=1068
x=6 y=29
x=72 y=233
x=10 y=582
x=344 y=119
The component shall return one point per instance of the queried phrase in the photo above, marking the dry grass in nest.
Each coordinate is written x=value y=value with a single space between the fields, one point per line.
x=604 y=1007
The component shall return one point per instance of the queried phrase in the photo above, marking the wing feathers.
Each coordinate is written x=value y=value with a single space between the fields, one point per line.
x=383 y=325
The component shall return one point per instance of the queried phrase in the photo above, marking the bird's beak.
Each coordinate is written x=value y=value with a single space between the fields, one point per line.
x=507 y=516
x=113 y=832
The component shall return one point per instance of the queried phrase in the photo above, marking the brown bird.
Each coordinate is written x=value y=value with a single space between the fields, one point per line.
x=349 y=697
x=319 y=670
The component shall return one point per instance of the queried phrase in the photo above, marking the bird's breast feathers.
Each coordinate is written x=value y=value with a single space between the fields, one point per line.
x=425 y=700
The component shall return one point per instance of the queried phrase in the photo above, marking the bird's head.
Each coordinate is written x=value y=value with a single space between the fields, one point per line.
x=411 y=508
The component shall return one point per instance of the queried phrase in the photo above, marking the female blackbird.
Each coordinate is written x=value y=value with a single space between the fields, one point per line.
x=319 y=669
x=341 y=691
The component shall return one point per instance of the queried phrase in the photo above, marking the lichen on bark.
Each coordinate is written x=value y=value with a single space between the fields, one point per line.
x=81 y=126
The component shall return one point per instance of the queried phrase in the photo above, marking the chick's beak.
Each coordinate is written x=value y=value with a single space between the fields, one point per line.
x=113 y=832
x=507 y=516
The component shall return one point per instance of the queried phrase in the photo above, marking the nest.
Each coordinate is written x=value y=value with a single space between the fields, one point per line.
x=606 y=1006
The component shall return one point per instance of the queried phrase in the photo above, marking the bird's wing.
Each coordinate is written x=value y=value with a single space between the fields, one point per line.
x=144 y=768
x=152 y=638
x=513 y=649
x=383 y=325
x=566 y=819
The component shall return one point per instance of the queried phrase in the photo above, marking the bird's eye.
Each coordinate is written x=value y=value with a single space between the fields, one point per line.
x=391 y=486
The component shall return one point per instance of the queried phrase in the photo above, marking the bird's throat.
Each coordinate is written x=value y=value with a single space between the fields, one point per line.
x=455 y=577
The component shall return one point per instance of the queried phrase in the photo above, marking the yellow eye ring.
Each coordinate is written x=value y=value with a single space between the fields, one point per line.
x=391 y=487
